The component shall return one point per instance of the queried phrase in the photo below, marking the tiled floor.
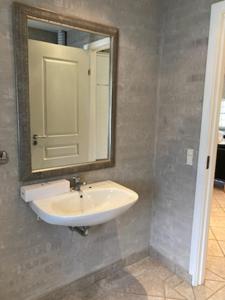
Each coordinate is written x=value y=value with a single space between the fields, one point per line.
x=148 y=280
x=216 y=243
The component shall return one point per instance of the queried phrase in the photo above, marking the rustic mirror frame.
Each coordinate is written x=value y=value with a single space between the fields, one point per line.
x=21 y=13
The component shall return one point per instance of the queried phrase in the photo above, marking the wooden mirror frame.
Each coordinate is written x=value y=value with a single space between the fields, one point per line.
x=21 y=14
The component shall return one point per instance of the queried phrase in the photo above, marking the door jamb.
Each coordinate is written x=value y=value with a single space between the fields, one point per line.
x=214 y=81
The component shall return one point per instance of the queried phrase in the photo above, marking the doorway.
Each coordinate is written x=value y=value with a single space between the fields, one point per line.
x=215 y=262
x=213 y=93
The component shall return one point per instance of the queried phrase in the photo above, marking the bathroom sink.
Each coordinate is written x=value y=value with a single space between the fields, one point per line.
x=95 y=204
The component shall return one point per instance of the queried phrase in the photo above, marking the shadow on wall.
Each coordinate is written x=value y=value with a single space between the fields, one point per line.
x=68 y=250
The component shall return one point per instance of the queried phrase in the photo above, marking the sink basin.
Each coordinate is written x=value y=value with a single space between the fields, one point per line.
x=95 y=204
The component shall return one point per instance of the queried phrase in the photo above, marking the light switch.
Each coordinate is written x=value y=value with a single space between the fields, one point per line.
x=190 y=156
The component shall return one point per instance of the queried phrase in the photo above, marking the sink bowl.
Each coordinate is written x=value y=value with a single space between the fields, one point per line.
x=95 y=204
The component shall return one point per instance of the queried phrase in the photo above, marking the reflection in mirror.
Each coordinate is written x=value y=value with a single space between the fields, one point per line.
x=69 y=95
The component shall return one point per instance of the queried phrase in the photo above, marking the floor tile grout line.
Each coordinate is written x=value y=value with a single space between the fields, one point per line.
x=217 y=242
x=223 y=208
x=215 y=280
x=216 y=292
x=211 y=227
x=193 y=293
x=215 y=274
x=152 y=295
x=212 y=232
x=221 y=248
x=175 y=288
x=139 y=294
x=181 y=294
x=176 y=285
x=164 y=287
x=212 y=289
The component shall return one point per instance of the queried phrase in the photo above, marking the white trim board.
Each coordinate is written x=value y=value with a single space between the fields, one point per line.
x=99 y=45
x=214 y=81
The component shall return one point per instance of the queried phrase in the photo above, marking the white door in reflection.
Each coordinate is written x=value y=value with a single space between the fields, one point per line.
x=59 y=88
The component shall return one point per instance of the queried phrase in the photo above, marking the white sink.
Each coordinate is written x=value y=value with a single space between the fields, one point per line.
x=96 y=204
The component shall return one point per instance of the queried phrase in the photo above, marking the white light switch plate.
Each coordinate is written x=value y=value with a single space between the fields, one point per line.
x=190 y=156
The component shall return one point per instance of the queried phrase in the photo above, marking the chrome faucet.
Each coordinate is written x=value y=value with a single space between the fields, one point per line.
x=76 y=183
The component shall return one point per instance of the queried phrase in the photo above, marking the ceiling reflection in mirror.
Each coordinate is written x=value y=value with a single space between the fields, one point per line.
x=69 y=95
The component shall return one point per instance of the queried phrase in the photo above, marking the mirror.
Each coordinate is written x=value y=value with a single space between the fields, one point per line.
x=66 y=86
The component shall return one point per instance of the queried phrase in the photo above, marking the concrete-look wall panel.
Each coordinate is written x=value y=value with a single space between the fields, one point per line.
x=184 y=41
x=36 y=257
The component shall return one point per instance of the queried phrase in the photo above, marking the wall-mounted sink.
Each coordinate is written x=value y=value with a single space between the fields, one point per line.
x=95 y=204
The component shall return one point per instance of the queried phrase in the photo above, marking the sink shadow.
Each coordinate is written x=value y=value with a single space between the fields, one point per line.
x=119 y=286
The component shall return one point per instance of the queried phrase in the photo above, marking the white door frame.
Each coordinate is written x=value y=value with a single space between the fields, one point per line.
x=93 y=48
x=214 y=81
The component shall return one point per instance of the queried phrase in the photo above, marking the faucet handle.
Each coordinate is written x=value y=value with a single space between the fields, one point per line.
x=76 y=179
x=76 y=183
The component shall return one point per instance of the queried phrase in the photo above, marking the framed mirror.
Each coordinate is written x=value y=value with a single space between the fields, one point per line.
x=66 y=73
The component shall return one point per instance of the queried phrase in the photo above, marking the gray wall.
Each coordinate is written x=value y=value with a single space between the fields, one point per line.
x=36 y=257
x=185 y=28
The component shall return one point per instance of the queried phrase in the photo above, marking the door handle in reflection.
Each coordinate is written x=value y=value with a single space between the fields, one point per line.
x=36 y=137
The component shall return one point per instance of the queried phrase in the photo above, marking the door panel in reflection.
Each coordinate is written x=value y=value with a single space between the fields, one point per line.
x=59 y=104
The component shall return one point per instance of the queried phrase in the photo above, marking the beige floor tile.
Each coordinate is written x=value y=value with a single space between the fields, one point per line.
x=139 y=267
x=222 y=246
x=220 y=295
x=216 y=265
x=217 y=221
x=171 y=293
x=119 y=296
x=215 y=204
x=219 y=196
x=212 y=276
x=126 y=284
x=148 y=283
x=205 y=291
x=185 y=290
x=211 y=235
x=219 y=233
x=218 y=211
x=170 y=284
x=150 y=275
x=154 y=286
x=148 y=264
x=173 y=281
x=214 y=248
x=214 y=285
x=202 y=292
x=222 y=204
x=158 y=283
x=158 y=270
